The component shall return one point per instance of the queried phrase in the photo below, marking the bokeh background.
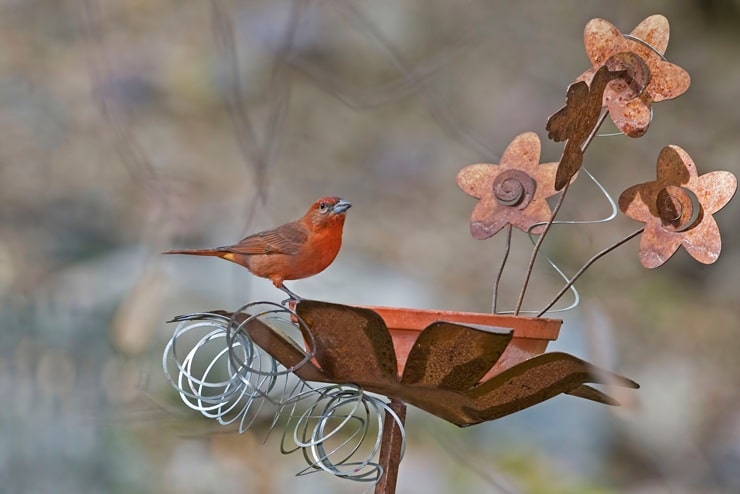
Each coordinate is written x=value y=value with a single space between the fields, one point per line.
x=130 y=127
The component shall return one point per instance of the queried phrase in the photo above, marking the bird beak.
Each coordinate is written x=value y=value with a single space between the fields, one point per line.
x=341 y=206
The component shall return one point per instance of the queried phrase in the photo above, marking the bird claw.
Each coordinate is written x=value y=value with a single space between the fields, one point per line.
x=293 y=297
x=290 y=303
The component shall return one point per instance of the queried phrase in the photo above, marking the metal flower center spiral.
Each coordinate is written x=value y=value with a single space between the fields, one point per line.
x=514 y=188
x=636 y=75
x=678 y=208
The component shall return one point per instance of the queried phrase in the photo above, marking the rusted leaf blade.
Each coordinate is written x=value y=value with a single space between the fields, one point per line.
x=536 y=380
x=588 y=393
x=578 y=119
x=453 y=356
x=352 y=344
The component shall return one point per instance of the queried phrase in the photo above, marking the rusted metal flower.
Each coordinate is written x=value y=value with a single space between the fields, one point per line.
x=445 y=369
x=579 y=118
x=667 y=81
x=677 y=209
x=513 y=192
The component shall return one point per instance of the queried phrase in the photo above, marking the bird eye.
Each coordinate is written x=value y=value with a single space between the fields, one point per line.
x=323 y=206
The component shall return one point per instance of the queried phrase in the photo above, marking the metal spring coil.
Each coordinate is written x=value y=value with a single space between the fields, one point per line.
x=225 y=376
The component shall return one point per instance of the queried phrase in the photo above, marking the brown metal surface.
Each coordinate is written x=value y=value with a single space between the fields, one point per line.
x=451 y=356
x=577 y=120
x=443 y=368
x=391 y=449
x=513 y=192
x=667 y=81
x=531 y=334
x=536 y=380
x=282 y=349
x=351 y=345
x=668 y=206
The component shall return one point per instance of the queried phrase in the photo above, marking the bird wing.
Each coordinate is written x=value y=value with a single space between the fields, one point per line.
x=286 y=239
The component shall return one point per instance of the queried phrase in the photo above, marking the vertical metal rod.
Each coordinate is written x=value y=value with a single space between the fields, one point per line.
x=391 y=448
x=501 y=269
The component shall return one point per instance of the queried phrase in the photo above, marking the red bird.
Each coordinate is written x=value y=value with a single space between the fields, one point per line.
x=292 y=251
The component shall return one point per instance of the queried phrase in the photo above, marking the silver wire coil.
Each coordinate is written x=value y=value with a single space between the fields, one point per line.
x=220 y=372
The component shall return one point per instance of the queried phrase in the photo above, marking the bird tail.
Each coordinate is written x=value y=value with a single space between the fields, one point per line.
x=198 y=252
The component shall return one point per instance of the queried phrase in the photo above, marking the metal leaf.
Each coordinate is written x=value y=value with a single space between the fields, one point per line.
x=577 y=120
x=453 y=356
x=536 y=380
x=352 y=343
x=354 y=346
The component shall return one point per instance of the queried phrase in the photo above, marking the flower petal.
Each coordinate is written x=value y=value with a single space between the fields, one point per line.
x=601 y=40
x=477 y=180
x=631 y=117
x=352 y=343
x=523 y=152
x=638 y=201
x=675 y=166
x=657 y=244
x=453 y=356
x=655 y=31
x=703 y=242
x=715 y=189
x=545 y=176
x=488 y=218
x=536 y=212
x=667 y=81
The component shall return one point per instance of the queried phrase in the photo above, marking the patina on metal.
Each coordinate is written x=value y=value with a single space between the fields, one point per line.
x=444 y=371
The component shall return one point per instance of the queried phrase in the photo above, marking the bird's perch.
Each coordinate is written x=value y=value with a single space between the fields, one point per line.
x=391 y=448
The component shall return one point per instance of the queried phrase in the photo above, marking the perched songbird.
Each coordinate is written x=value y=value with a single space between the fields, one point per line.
x=296 y=250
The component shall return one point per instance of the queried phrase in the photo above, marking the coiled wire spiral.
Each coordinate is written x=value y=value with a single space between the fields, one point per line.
x=225 y=376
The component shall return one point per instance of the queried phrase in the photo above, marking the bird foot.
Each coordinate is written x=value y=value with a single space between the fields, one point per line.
x=293 y=297
x=290 y=303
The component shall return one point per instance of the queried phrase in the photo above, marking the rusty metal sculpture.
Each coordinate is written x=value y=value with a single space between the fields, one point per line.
x=513 y=192
x=648 y=41
x=441 y=362
x=677 y=209
x=580 y=117
x=450 y=371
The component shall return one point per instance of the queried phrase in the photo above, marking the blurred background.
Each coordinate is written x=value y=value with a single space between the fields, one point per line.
x=132 y=127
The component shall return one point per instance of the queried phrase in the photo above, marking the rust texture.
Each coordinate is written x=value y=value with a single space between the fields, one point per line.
x=667 y=81
x=391 y=449
x=515 y=191
x=531 y=334
x=677 y=209
x=444 y=371
x=577 y=120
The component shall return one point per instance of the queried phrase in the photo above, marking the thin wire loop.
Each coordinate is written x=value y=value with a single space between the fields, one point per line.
x=225 y=376
x=646 y=44
x=614 y=211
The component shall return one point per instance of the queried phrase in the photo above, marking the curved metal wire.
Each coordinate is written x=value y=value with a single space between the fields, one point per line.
x=614 y=211
x=337 y=429
x=645 y=44
x=218 y=370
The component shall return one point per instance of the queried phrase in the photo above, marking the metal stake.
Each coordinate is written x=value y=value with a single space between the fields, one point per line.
x=391 y=447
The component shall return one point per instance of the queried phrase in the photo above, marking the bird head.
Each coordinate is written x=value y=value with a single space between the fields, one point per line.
x=328 y=210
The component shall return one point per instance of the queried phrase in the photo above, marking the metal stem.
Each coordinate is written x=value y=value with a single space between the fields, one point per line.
x=586 y=266
x=537 y=246
x=391 y=448
x=536 y=249
x=509 y=228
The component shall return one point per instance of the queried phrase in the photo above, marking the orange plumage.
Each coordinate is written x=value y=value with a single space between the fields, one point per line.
x=292 y=251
